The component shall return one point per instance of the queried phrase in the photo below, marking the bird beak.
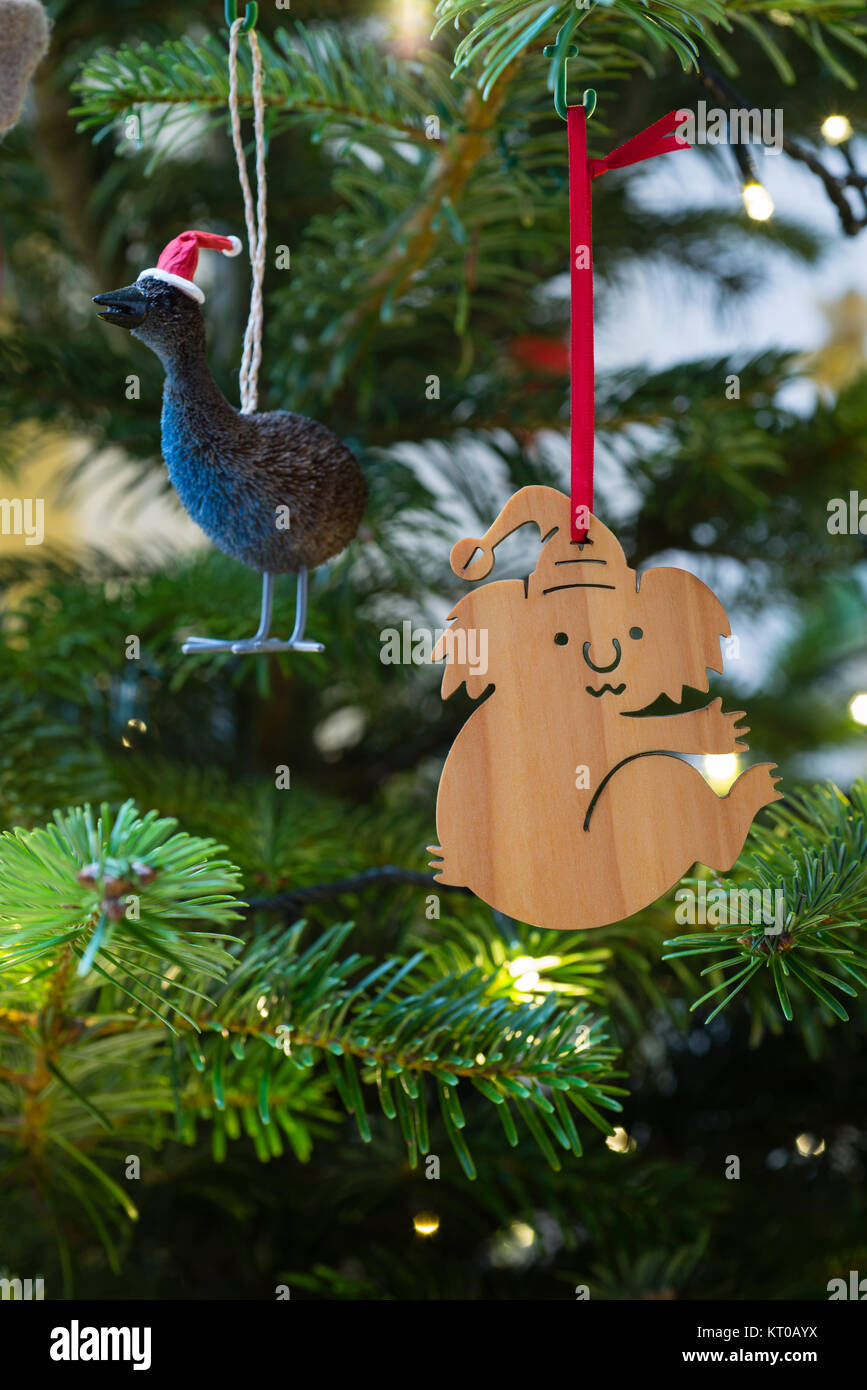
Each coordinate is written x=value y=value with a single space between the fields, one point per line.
x=127 y=307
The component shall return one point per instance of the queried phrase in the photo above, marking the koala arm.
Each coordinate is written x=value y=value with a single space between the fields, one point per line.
x=707 y=730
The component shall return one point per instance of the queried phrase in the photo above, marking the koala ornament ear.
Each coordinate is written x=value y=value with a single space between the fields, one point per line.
x=683 y=617
x=479 y=629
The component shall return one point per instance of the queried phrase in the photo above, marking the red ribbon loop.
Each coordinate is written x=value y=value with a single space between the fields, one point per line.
x=657 y=139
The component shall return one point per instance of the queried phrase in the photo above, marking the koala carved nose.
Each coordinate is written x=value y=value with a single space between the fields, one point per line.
x=592 y=664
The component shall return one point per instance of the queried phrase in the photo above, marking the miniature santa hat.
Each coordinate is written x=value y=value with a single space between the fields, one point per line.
x=549 y=510
x=177 y=264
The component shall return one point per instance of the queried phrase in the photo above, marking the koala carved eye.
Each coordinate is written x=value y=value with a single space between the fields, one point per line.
x=635 y=632
x=561 y=638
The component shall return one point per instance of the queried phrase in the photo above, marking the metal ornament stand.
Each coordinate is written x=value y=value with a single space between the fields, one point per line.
x=261 y=641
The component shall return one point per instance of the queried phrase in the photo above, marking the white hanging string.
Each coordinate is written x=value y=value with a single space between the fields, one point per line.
x=254 y=215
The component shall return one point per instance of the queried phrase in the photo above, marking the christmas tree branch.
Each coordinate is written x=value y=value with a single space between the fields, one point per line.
x=110 y=888
x=834 y=185
x=318 y=77
x=498 y=31
x=415 y=237
x=401 y=1025
x=796 y=940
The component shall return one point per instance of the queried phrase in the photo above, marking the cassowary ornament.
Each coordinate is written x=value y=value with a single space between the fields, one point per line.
x=563 y=801
x=275 y=490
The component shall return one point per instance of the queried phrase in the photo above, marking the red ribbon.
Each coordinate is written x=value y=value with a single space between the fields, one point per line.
x=658 y=138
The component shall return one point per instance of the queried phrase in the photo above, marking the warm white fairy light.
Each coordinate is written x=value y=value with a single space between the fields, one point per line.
x=525 y=971
x=412 y=21
x=523 y=965
x=858 y=708
x=133 y=726
x=426 y=1223
x=620 y=1142
x=808 y=1146
x=758 y=202
x=721 y=769
x=513 y=1246
x=836 y=129
x=527 y=982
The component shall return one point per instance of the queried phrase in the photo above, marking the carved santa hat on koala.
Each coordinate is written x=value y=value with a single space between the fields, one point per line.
x=177 y=264
x=549 y=510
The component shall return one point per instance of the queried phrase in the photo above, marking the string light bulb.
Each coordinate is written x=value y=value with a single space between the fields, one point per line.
x=620 y=1142
x=758 y=201
x=426 y=1223
x=524 y=970
x=412 y=23
x=836 y=129
x=858 y=708
x=721 y=769
x=808 y=1146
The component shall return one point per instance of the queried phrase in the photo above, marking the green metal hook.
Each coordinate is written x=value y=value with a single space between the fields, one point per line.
x=560 y=52
x=251 y=14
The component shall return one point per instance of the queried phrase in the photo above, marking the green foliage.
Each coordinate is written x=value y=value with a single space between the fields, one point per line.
x=397 y=1022
x=813 y=852
x=465 y=226
x=333 y=84
x=657 y=1274
x=113 y=888
x=267 y=1038
x=231 y=1066
x=405 y=228
x=647 y=32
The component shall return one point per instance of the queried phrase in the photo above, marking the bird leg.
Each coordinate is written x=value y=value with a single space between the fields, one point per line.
x=261 y=641
x=297 y=642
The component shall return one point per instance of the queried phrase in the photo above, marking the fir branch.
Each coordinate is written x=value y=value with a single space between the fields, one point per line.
x=123 y=881
x=498 y=31
x=403 y=1026
x=810 y=862
x=402 y=1021
x=834 y=185
x=334 y=83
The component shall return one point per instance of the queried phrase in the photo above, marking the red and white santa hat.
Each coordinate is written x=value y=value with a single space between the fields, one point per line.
x=177 y=264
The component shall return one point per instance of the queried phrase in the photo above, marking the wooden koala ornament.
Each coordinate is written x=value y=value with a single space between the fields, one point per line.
x=561 y=803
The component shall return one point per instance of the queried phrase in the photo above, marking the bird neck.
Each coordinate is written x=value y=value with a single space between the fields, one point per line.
x=190 y=387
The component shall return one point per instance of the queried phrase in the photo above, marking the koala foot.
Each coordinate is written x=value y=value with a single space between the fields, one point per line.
x=755 y=788
x=440 y=866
